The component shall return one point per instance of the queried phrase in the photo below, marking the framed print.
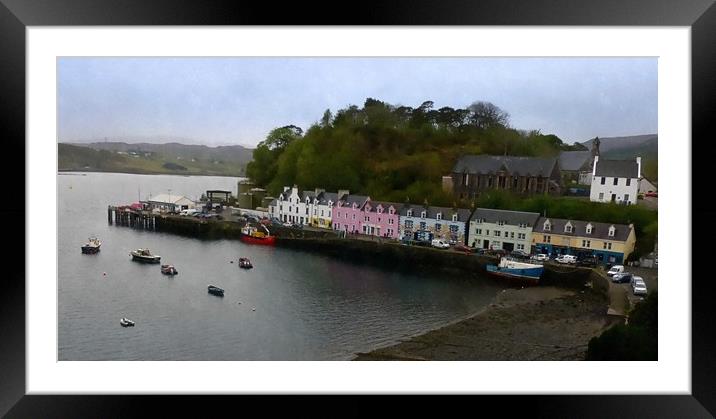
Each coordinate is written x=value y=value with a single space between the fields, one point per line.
x=257 y=206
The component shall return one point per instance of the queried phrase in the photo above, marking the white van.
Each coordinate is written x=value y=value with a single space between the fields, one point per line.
x=188 y=212
x=440 y=243
x=616 y=269
x=567 y=259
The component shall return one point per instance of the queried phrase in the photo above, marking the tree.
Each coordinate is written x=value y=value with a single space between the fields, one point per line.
x=327 y=117
x=486 y=115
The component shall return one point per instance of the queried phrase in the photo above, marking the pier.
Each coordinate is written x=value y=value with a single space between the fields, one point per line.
x=125 y=216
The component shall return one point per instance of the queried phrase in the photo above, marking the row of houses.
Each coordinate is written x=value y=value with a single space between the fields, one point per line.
x=480 y=228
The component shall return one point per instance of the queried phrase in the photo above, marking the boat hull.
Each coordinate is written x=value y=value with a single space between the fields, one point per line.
x=529 y=275
x=145 y=259
x=90 y=249
x=267 y=241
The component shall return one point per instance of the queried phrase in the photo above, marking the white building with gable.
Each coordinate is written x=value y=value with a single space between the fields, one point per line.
x=615 y=180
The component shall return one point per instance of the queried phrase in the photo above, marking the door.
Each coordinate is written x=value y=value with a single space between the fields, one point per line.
x=614 y=197
x=485 y=244
x=508 y=246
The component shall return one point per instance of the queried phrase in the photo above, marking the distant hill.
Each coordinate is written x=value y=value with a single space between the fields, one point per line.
x=612 y=147
x=625 y=148
x=154 y=158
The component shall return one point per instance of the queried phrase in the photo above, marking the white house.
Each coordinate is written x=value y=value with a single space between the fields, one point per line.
x=170 y=203
x=291 y=206
x=501 y=229
x=615 y=180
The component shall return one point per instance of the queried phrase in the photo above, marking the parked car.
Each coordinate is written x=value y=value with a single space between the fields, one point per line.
x=616 y=269
x=635 y=279
x=440 y=244
x=462 y=248
x=521 y=254
x=622 y=277
x=570 y=259
x=651 y=194
x=542 y=257
x=639 y=287
x=588 y=261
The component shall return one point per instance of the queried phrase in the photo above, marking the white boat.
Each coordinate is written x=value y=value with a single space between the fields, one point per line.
x=125 y=322
x=514 y=269
x=92 y=245
x=144 y=255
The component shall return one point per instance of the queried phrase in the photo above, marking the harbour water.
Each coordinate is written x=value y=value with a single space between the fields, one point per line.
x=292 y=305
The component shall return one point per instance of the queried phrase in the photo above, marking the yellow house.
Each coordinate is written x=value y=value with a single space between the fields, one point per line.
x=610 y=243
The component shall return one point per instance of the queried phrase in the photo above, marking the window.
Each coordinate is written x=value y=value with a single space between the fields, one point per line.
x=604 y=180
x=410 y=213
x=521 y=236
x=366 y=218
x=478 y=231
x=497 y=233
x=523 y=225
x=568 y=228
x=607 y=246
x=589 y=228
x=628 y=182
x=520 y=247
x=306 y=210
x=321 y=213
x=626 y=197
x=390 y=221
x=547 y=239
x=478 y=220
x=512 y=235
x=408 y=224
x=616 y=180
x=454 y=217
x=586 y=243
x=500 y=223
x=438 y=226
x=354 y=216
x=487 y=232
x=601 y=196
x=439 y=216
x=422 y=225
x=422 y=214
x=547 y=226
x=380 y=210
x=379 y=219
x=612 y=230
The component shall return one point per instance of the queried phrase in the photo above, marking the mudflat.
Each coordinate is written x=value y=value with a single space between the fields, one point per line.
x=536 y=323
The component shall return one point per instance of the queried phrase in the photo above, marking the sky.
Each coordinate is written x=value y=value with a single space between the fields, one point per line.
x=224 y=101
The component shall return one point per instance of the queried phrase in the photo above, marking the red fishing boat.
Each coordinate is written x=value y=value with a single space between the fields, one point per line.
x=253 y=235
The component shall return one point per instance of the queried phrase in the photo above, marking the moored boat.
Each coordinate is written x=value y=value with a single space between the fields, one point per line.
x=125 y=322
x=92 y=245
x=216 y=291
x=144 y=255
x=518 y=270
x=169 y=270
x=251 y=234
x=245 y=263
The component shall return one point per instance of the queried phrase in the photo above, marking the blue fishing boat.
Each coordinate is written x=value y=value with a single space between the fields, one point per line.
x=519 y=270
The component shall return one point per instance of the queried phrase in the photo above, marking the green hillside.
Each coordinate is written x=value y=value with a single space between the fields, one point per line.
x=153 y=158
x=390 y=152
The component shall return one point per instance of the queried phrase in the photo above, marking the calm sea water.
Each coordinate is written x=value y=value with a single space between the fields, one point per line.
x=307 y=306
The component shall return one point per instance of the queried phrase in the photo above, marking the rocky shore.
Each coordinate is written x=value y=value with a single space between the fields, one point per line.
x=537 y=323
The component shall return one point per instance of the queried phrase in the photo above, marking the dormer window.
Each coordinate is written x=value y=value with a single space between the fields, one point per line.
x=330 y=203
x=391 y=210
x=439 y=216
x=422 y=214
x=500 y=223
x=547 y=226
x=568 y=228
x=478 y=220
x=454 y=217
x=410 y=213
x=589 y=228
x=612 y=230
x=380 y=210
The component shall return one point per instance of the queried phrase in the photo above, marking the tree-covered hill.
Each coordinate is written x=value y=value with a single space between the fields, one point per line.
x=390 y=152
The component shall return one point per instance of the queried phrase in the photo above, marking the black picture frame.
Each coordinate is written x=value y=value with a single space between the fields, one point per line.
x=16 y=15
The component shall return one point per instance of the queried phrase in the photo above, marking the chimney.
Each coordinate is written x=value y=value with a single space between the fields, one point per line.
x=594 y=169
x=638 y=165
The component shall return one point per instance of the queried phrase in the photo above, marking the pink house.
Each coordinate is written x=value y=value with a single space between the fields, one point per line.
x=380 y=219
x=348 y=214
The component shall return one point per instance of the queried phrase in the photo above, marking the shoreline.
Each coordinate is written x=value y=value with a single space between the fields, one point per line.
x=71 y=171
x=534 y=323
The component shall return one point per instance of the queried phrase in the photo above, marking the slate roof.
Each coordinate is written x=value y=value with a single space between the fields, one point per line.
x=386 y=205
x=617 y=168
x=324 y=197
x=431 y=212
x=509 y=217
x=574 y=160
x=579 y=229
x=523 y=166
x=349 y=199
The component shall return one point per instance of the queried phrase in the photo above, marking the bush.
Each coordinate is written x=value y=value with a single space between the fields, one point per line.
x=637 y=341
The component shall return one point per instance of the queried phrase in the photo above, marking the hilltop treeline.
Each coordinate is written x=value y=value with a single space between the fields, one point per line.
x=390 y=152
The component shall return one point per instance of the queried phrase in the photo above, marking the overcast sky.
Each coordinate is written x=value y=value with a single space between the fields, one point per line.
x=219 y=101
